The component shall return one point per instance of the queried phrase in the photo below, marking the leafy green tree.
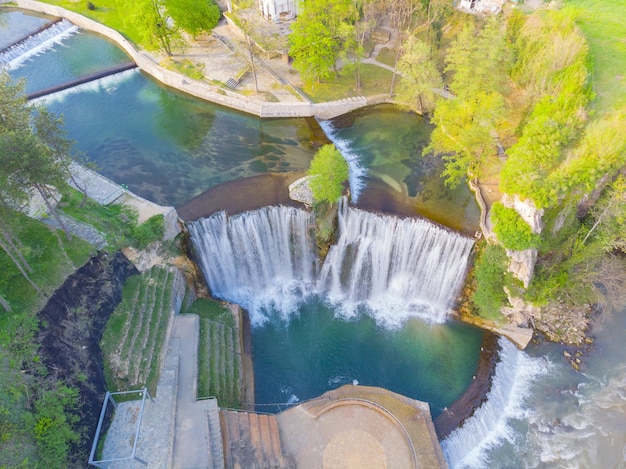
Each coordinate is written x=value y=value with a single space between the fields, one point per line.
x=419 y=76
x=560 y=91
x=149 y=18
x=403 y=14
x=329 y=171
x=315 y=40
x=466 y=126
x=194 y=16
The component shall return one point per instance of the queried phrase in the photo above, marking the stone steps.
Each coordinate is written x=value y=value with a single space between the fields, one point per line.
x=251 y=441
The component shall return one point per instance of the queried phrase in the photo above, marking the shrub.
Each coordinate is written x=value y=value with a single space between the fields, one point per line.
x=511 y=229
x=149 y=231
x=490 y=273
x=329 y=170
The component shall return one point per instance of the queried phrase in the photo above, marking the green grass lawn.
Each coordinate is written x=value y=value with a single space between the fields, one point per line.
x=106 y=13
x=374 y=80
x=604 y=24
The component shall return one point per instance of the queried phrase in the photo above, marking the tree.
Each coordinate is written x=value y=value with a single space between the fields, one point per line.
x=610 y=218
x=149 y=19
x=30 y=158
x=329 y=170
x=403 y=13
x=419 y=76
x=315 y=40
x=194 y=16
x=466 y=126
x=246 y=20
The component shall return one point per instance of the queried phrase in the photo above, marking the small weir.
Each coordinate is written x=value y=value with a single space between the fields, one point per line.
x=490 y=424
x=357 y=171
x=86 y=79
x=40 y=40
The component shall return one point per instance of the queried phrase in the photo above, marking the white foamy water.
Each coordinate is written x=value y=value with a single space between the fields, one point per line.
x=394 y=268
x=108 y=84
x=15 y=56
x=492 y=423
x=590 y=433
x=357 y=172
x=259 y=259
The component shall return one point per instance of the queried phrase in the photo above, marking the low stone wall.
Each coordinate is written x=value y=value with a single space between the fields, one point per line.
x=197 y=88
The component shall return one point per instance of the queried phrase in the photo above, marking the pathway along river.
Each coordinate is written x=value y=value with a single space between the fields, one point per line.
x=169 y=148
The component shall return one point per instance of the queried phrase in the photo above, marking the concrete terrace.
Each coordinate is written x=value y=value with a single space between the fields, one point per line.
x=355 y=427
x=223 y=60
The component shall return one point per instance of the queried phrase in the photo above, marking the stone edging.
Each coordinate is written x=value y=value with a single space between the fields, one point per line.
x=197 y=88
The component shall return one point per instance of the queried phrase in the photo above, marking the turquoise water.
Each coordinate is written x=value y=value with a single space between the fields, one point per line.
x=79 y=55
x=169 y=147
x=315 y=351
x=15 y=25
x=389 y=143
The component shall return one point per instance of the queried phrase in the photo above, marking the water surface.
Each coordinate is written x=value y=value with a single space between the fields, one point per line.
x=315 y=351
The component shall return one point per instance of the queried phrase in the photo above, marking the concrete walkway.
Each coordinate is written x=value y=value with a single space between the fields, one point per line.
x=174 y=432
x=191 y=439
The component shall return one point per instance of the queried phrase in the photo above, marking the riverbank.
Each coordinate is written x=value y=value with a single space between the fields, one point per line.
x=222 y=95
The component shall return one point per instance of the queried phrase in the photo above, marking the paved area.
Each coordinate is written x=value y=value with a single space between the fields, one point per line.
x=360 y=427
x=191 y=439
x=77 y=228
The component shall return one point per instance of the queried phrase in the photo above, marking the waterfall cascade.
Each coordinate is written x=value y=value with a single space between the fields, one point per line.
x=258 y=259
x=14 y=56
x=356 y=171
x=393 y=268
x=467 y=445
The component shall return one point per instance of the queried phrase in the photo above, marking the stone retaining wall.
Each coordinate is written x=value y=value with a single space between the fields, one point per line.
x=197 y=88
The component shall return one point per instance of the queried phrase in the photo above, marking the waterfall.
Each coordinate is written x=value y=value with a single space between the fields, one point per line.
x=14 y=56
x=490 y=425
x=259 y=259
x=357 y=172
x=395 y=268
x=390 y=267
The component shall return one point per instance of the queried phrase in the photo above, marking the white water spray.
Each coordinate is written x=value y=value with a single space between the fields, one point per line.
x=259 y=259
x=395 y=268
x=108 y=84
x=357 y=172
x=15 y=56
x=467 y=446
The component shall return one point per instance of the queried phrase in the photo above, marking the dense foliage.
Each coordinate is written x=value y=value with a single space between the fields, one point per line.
x=328 y=171
x=490 y=274
x=511 y=229
x=467 y=125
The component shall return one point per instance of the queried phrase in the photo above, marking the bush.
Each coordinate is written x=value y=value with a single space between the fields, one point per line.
x=55 y=414
x=490 y=273
x=329 y=170
x=149 y=231
x=511 y=229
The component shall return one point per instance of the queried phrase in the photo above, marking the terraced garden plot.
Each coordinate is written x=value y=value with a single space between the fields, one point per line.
x=219 y=354
x=135 y=335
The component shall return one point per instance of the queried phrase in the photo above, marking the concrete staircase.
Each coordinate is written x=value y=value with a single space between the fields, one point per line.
x=216 y=451
x=252 y=441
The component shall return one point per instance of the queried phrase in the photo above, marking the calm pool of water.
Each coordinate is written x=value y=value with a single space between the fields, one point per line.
x=315 y=351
